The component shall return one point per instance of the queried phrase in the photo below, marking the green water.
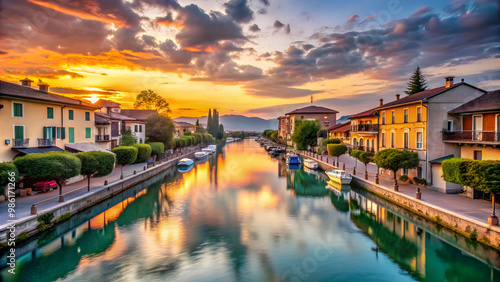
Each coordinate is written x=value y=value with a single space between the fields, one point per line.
x=243 y=216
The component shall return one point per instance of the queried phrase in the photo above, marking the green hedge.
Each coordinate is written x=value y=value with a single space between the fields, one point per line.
x=49 y=166
x=403 y=177
x=480 y=175
x=157 y=148
x=6 y=170
x=331 y=141
x=125 y=155
x=452 y=171
x=106 y=162
x=143 y=153
x=336 y=149
x=89 y=163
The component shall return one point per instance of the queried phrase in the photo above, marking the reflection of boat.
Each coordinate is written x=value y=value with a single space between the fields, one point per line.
x=184 y=168
x=337 y=186
x=207 y=150
x=185 y=162
x=310 y=164
x=294 y=166
x=310 y=171
x=338 y=175
x=213 y=147
x=292 y=159
x=201 y=155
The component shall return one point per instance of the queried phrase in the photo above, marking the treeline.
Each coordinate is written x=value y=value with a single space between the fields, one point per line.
x=213 y=127
x=193 y=139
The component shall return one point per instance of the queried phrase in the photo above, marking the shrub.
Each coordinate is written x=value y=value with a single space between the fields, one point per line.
x=41 y=226
x=198 y=138
x=336 y=150
x=128 y=140
x=45 y=218
x=106 y=162
x=6 y=170
x=143 y=153
x=331 y=141
x=453 y=168
x=157 y=148
x=125 y=155
x=403 y=178
x=410 y=181
x=419 y=180
x=64 y=217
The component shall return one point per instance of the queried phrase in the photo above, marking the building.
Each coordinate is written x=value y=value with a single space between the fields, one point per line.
x=417 y=120
x=283 y=127
x=326 y=117
x=341 y=131
x=103 y=131
x=182 y=128
x=364 y=130
x=474 y=129
x=35 y=120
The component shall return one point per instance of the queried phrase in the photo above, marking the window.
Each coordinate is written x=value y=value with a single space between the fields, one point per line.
x=406 y=140
x=383 y=118
x=136 y=128
x=449 y=125
x=71 y=133
x=419 y=172
x=327 y=123
x=478 y=155
x=405 y=171
x=140 y=128
x=88 y=132
x=393 y=116
x=393 y=139
x=50 y=112
x=301 y=117
x=18 y=132
x=420 y=142
x=58 y=133
x=383 y=139
x=405 y=112
x=18 y=110
x=70 y=114
x=50 y=132
x=87 y=116
x=419 y=114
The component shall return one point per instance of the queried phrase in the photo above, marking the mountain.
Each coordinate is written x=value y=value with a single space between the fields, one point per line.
x=237 y=122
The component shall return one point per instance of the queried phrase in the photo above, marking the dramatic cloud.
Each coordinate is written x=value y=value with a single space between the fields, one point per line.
x=254 y=28
x=239 y=11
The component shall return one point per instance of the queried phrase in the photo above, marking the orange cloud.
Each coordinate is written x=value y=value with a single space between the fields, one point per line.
x=168 y=23
x=194 y=49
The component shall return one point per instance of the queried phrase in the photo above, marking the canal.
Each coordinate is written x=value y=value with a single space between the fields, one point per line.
x=244 y=216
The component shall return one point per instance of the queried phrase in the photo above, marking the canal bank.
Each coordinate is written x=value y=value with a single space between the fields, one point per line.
x=28 y=226
x=466 y=226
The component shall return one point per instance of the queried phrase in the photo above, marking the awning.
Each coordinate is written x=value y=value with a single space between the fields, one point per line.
x=38 y=150
x=84 y=147
x=438 y=161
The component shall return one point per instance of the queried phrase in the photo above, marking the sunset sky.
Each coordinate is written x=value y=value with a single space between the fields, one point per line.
x=251 y=57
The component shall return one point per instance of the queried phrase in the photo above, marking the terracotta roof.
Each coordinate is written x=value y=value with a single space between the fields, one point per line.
x=23 y=92
x=487 y=102
x=368 y=113
x=106 y=104
x=139 y=114
x=342 y=127
x=101 y=119
x=282 y=117
x=121 y=117
x=312 y=110
x=183 y=124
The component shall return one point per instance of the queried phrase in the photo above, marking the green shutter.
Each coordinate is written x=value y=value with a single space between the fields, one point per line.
x=44 y=132
x=18 y=132
x=88 y=132
x=18 y=110
x=71 y=133
x=70 y=114
x=87 y=116
x=58 y=133
x=50 y=112
x=63 y=132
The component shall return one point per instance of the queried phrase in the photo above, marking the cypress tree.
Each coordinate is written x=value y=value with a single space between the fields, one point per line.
x=209 y=121
x=417 y=83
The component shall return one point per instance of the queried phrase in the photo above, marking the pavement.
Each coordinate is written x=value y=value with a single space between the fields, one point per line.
x=476 y=209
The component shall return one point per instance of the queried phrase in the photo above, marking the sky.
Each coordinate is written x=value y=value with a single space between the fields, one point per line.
x=250 y=57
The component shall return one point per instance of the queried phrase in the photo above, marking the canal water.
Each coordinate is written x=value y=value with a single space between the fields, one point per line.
x=244 y=216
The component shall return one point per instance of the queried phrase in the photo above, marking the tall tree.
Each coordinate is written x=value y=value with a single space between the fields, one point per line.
x=417 y=83
x=149 y=100
x=160 y=129
x=305 y=133
x=220 y=132
x=209 y=121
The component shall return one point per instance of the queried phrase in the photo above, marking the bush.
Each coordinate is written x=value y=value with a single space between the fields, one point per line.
x=45 y=218
x=89 y=163
x=331 y=141
x=143 y=153
x=419 y=180
x=403 y=178
x=125 y=155
x=106 y=162
x=410 y=181
x=128 y=140
x=355 y=153
x=453 y=168
x=64 y=217
x=157 y=148
x=336 y=149
x=6 y=170
x=198 y=138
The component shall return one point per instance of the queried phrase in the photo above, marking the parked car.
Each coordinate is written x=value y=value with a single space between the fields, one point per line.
x=44 y=186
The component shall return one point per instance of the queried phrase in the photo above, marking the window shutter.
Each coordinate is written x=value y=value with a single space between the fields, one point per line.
x=63 y=133
x=54 y=132
x=44 y=132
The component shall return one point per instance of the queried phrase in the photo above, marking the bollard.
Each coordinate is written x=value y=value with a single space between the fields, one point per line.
x=396 y=187
x=105 y=182
x=144 y=168
x=33 y=209
x=135 y=172
x=343 y=166
x=418 y=195
x=61 y=198
x=354 y=171
x=376 y=179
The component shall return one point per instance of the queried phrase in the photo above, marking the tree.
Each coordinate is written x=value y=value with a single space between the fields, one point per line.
x=157 y=148
x=8 y=174
x=220 y=132
x=125 y=155
x=89 y=165
x=274 y=135
x=160 y=129
x=417 y=83
x=127 y=138
x=393 y=159
x=336 y=150
x=143 y=153
x=57 y=166
x=305 y=133
x=480 y=175
x=365 y=158
x=149 y=100
x=209 y=121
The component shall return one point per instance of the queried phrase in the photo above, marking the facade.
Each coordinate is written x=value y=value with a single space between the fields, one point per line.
x=341 y=131
x=37 y=120
x=182 y=128
x=326 y=117
x=102 y=131
x=283 y=125
x=364 y=130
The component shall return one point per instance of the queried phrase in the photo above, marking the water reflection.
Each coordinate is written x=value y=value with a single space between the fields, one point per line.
x=241 y=215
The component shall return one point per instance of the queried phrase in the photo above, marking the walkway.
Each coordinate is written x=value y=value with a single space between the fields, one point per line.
x=473 y=208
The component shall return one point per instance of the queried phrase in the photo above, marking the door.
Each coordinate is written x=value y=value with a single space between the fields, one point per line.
x=477 y=127
x=71 y=133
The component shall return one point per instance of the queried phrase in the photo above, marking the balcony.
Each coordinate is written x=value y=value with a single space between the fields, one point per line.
x=472 y=137
x=102 y=138
x=20 y=143
x=46 y=142
x=365 y=128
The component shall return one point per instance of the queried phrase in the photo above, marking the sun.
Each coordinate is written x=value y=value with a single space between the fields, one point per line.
x=93 y=98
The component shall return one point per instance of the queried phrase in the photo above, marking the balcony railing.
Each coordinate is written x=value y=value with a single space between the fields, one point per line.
x=474 y=136
x=364 y=128
x=20 y=143
x=102 y=138
x=46 y=142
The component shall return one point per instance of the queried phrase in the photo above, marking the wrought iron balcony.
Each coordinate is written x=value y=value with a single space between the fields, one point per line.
x=102 y=138
x=364 y=128
x=20 y=143
x=46 y=142
x=472 y=136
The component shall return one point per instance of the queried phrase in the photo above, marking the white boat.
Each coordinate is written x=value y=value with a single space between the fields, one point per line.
x=207 y=150
x=340 y=176
x=310 y=164
x=201 y=155
x=229 y=140
x=213 y=147
x=185 y=162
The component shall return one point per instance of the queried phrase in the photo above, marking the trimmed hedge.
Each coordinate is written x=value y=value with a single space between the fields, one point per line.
x=331 y=141
x=125 y=155
x=6 y=170
x=157 y=148
x=452 y=169
x=336 y=149
x=89 y=163
x=355 y=153
x=106 y=162
x=481 y=175
x=403 y=178
x=143 y=153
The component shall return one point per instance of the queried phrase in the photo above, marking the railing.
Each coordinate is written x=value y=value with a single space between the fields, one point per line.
x=472 y=136
x=364 y=127
x=102 y=138
x=46 y=142
x=20 y=142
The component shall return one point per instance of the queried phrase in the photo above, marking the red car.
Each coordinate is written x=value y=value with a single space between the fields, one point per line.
x=45 y=186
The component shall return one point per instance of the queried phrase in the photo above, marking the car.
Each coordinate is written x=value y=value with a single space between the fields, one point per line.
x=44 y=186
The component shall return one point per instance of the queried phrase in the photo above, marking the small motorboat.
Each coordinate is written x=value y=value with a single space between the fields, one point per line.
x=340 y=176
x=310 y=164
x=213 y=147
x=292 y=159
x=229 y=140
x=207 y=150
x=184 y=162
x=274 y=153
x=201 y=155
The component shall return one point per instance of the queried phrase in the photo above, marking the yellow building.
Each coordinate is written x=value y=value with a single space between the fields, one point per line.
x=38 y=121
x=341 y=131
x=364 y=131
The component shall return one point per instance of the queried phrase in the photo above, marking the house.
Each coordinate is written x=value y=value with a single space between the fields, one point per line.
x=182 y=128
x=364 y=130
x=341 y=131
x=326 y=117
x=35 y=120
x=474 y=130
x=102 y=131
x=414 y=121
x=283 y=127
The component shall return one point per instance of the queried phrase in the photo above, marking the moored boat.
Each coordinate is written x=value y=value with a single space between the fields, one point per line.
x=185 y=162
x=340 y=176
x=201 y=155
x=310 y=164
x=207 y=150
x=213 y=147
x=292 y=159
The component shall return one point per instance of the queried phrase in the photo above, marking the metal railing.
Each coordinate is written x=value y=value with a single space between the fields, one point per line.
x=364 y=127
x=19 y=143
x=102 y=138
x=472 y=136
x=46 y=142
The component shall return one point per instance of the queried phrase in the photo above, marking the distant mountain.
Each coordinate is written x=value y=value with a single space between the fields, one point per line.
x=237 y=122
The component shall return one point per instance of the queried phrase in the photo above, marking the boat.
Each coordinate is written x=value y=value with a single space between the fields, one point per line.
x=310 y=171
x=185 y=162
x=229 y=140
x=339 y=175
x=201 y=155
x=213 y=147
x=292 y=159
x=207 y=150
x=310 y=164
x=274 y=152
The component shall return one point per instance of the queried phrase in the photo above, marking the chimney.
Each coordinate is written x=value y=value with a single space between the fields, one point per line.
x=449 y=81
x=381 y=102
x=43 y=87
x=463 y=80
x=26 y=82
x=397 y=96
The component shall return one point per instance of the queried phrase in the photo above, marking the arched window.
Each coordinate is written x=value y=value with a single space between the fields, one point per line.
x=361 y=143
x=354 y=142
x=373 y=144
